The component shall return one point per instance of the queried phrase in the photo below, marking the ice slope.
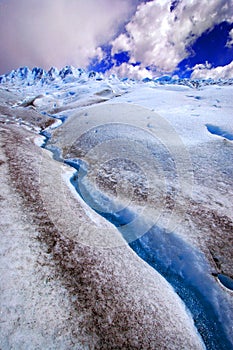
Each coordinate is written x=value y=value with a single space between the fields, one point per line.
x=99 y=295
x=174 y=153
x=85 y=135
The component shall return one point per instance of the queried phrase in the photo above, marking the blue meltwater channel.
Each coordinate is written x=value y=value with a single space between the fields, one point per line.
x=181 y=264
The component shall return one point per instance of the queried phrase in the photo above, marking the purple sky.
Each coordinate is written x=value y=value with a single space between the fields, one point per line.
x=129 y=37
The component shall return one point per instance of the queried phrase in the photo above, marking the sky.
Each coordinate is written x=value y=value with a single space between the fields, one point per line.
x=130 y=38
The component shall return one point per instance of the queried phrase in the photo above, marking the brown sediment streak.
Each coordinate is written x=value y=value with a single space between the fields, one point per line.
x=29 y=116
x=214 y=232
x=123 y=303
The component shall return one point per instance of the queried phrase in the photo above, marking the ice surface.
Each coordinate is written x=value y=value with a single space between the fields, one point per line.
x=195 y=111
x=39 y=140
x=184 y=266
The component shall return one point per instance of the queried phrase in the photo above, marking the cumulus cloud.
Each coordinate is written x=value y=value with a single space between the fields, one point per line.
x=58 y=32
x=205 y=71
x=128 y=70
x=160 y=37
x=229 y=43
x=158 y=33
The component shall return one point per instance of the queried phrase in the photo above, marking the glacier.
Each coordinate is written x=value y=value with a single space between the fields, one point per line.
x=154 y=158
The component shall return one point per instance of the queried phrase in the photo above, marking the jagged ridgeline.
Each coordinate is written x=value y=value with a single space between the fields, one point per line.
x=37 y=75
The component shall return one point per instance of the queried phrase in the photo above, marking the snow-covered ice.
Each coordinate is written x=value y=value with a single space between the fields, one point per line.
x=156 y=160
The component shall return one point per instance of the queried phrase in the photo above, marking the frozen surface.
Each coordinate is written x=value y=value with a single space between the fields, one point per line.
x=91 y=297
x=155 y=159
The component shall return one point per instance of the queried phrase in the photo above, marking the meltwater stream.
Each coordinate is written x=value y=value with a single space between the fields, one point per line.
x=183 y=266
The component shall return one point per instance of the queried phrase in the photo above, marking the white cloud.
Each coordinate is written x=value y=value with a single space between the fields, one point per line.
x=58 y=32
x=156 y=36
x=230 y=39
x=201 y=71
x=121 y=43
x=128 y=70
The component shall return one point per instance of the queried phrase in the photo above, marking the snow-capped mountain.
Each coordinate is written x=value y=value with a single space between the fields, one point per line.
x=25 y=76
x=29 y=77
